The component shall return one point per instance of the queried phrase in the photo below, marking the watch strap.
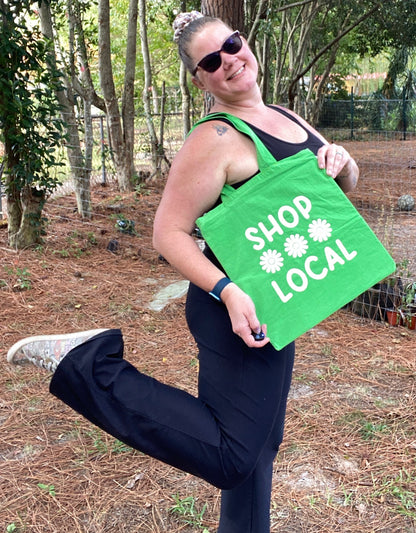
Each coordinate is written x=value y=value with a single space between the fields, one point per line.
x=216 y=291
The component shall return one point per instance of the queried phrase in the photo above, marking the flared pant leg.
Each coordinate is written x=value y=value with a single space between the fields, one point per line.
x=162 y=421
x=247 y=506
x=218 y=436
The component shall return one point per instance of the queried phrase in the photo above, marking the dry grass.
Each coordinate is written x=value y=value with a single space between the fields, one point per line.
x=348 y=461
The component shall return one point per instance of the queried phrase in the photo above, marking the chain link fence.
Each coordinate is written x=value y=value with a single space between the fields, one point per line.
x=359 y=118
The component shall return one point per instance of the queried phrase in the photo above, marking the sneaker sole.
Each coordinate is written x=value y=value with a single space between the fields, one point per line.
x=18 y=345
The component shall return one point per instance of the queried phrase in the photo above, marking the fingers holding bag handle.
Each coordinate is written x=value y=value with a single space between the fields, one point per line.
x=339 y=164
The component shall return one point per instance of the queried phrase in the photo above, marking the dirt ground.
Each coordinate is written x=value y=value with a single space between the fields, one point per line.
x=348 y=460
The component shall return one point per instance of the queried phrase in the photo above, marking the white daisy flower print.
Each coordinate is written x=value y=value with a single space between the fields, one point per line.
x=271 y=261
x=296 y=245
x=320 y=230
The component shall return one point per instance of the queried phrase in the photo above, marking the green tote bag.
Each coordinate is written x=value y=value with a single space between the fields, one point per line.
x=292 y=240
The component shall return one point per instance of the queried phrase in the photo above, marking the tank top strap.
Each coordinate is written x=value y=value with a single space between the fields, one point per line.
x=264 y=157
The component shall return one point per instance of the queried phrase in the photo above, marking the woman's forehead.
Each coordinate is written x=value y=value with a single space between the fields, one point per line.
x=214 y=30
x=210 y=37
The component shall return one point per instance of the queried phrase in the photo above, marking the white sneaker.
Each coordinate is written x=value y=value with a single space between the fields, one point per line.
x=47 y=351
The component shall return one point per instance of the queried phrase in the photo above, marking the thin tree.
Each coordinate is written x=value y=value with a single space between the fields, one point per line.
x=80 y=161
x=121 y=125
x=158 y=153
x=186 y=95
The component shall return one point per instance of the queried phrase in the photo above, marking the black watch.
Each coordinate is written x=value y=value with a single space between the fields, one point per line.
x=216 y=291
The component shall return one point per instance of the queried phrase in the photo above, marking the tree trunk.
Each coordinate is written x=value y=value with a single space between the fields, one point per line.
x=127 y=108
x=261 y=13
x=345 y=27
x=87 y=84
x=185 y=93
x=265 y=80
x=24 y=209
x=230 y=11
x=29 y=232
x=298 y=49
x=110 y=98
x=24 y=205
x=158 y=153
x=14 y=210
x=186 y=100
x=80 y=174
x=13 y=199
x=88 y=137
x=315 y=106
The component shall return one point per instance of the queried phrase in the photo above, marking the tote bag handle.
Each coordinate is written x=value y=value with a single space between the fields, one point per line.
x=264 y=157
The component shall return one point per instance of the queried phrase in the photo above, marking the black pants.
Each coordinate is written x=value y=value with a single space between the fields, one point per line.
x=229 y=435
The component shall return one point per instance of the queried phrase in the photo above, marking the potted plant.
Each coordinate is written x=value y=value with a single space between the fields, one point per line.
x=393 y=294
x=408 y=307
x=410 y=295
x=410 y=320
x=394 y=317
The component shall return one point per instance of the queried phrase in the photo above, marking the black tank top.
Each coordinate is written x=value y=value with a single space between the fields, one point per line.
x=282 y=149
x=277 y=147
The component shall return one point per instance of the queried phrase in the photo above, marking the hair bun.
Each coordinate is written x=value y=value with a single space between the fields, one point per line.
x=182 y=20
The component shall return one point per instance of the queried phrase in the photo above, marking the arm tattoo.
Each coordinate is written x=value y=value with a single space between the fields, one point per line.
x=221 y=130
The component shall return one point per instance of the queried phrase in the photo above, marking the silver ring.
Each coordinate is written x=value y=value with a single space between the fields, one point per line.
x=338 y=152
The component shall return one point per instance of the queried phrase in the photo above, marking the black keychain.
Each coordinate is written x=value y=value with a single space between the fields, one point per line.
x=258 y=336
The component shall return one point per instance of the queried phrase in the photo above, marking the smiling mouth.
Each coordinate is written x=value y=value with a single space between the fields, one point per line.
x=239 y=71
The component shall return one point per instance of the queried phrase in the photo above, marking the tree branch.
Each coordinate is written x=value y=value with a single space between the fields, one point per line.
x=256 y=22
x=296 y=4
x=342 y=34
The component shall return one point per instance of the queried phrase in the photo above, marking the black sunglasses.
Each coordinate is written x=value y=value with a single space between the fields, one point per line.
x=212 y=62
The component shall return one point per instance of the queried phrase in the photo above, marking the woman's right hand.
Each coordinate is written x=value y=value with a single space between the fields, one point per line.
x=243 y=315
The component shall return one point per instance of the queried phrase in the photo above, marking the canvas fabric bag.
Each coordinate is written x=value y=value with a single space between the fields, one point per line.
x=292 y=240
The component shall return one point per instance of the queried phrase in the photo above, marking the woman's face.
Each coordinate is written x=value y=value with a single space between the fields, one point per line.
x=237 y=73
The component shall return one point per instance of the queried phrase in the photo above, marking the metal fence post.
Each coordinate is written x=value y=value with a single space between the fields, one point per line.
x=352 y=112
x=404 y=114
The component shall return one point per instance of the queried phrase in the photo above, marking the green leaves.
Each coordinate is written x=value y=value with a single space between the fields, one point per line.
x=29 y=126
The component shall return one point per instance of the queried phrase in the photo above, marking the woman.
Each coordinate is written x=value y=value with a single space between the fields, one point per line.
x=229 y=435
